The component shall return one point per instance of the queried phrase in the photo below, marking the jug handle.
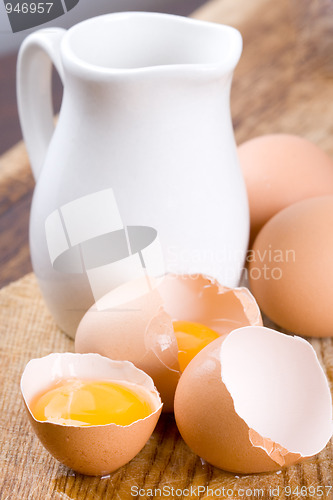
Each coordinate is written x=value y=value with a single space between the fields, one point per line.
x=37 y=53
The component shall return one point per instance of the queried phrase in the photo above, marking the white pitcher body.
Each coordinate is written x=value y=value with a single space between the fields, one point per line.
x=145 y=118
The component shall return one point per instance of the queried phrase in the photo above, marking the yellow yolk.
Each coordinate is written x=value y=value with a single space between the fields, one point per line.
x=77 y=402
x=191 y=338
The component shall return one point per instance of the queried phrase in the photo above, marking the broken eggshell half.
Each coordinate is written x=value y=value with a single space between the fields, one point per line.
x=96 y=449
x=254 y=401
x=135 y=322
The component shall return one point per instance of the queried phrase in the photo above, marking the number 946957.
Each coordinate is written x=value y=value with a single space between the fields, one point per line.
x=29 y=8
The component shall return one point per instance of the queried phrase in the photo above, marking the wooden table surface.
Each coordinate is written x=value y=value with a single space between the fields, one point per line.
x=283 y=83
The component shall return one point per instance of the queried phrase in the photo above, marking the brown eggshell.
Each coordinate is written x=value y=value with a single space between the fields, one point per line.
x=209 y=424
x=290 y=268
x=279 y=170
x=202 y=299
x=91 y=450
x=132 y=330
x=203 y=405
x=141 y=330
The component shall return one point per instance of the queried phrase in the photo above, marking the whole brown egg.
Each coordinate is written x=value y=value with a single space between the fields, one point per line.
x=279 y=170
x=291 y=267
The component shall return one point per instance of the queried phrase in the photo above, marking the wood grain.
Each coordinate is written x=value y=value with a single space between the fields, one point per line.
x=16 y=186
x=29 y=472
x=9 y=130
x=280 y=85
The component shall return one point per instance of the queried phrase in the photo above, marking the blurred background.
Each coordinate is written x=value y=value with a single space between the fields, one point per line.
x=283 y=83
x=10 y=132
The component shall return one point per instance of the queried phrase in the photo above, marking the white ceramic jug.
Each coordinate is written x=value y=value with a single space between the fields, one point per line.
x=142 y=161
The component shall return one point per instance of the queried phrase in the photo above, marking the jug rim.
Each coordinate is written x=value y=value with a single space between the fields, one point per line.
x=85 y=68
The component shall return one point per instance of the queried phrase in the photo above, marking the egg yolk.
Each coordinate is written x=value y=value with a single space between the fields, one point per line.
x=191 y=338
x=82 y=403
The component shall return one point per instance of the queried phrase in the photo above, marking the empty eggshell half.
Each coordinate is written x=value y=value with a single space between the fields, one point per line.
x=98 y=449
x=255 y=400
x=134 y=326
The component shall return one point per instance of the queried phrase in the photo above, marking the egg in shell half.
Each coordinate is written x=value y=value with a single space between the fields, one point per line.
x=255 y=400
x=136 y=321
x=90 y=449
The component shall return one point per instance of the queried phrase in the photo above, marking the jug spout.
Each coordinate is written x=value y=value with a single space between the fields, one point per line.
x=135 y=42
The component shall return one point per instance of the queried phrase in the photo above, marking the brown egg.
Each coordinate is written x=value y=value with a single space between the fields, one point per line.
x=290 y=268
x=141 y=329
x=96 y=449
x=255 y=400
x=136 y=330
x=279 y=170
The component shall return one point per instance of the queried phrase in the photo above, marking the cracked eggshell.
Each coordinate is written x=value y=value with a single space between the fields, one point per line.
x=255 y=400
x=134 y=325
x=201 y=299
x=93 y=450
x=127 y=325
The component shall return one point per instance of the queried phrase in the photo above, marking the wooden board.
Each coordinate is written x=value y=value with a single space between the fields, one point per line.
x=280 y=85
x=27 y=471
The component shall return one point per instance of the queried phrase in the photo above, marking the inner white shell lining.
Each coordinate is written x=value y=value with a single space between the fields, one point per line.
x=278 y=387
